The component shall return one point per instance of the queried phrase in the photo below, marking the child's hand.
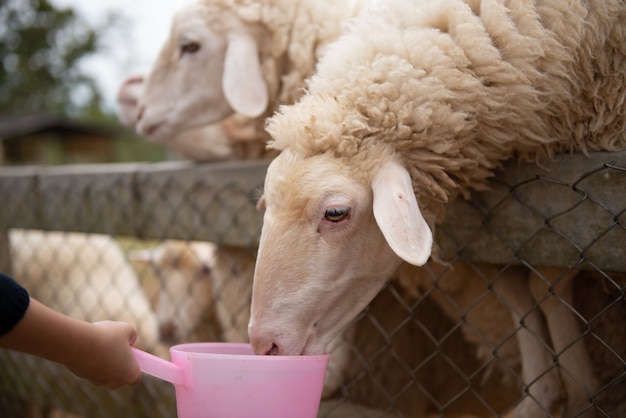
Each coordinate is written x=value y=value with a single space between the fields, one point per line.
x=106 y=358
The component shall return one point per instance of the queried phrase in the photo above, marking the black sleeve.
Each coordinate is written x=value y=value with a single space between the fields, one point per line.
x=14 y=300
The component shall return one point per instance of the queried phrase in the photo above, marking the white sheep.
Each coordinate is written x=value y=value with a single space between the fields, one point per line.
x=236 y=137
x=225 y=56
x=417 y=103
x=85 y=276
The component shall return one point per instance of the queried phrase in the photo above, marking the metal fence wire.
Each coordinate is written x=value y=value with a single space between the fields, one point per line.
x=523 y=310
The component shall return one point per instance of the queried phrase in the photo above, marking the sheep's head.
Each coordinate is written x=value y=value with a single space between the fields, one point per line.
x=331 y=237
x=186 y=291
x=208 y=68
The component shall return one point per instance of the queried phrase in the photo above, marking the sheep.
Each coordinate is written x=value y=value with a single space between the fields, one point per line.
x=185 y=307
x=235 y=137
x=201 y=284
x=226 y=56
x=415 y=105
x=85 y=276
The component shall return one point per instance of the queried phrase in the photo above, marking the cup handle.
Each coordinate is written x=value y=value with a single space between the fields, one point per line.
x=158 y=367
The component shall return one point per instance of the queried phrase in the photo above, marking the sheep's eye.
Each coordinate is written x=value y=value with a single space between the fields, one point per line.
x=190 y=47
x=336 y=214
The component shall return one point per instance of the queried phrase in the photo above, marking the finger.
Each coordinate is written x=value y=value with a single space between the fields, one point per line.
x=133 y=336
x=137 y=380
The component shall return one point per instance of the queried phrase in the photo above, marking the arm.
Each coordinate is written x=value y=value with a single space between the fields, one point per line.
x=98 y=352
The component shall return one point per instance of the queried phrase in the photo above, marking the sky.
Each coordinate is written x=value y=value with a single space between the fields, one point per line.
x=149 y=23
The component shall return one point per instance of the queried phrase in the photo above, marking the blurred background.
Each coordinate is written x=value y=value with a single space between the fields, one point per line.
x=61 y=63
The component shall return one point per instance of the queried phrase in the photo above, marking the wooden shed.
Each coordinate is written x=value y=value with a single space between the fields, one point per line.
x=53 y=139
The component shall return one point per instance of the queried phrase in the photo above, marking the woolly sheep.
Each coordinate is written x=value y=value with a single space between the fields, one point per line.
x=417 y=103
x=236 y=137
x=435 y=136
x=226 y=56
x=86 y=277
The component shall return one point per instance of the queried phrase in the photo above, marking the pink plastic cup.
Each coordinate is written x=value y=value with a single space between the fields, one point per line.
x=225 y=380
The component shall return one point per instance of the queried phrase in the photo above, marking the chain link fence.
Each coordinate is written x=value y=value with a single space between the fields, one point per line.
x=525 y=306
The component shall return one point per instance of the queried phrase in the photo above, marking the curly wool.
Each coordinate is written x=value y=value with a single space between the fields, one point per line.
x=454 y=89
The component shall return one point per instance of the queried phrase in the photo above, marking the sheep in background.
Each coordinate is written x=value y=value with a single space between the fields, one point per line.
x=226 y=56
x=186 y=306
x=236 y=137
x=85 y=276
x=202 y=284
x=417 y=103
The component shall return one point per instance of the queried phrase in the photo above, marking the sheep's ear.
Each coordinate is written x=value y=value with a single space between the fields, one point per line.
x=398 y=216
x=242 y=82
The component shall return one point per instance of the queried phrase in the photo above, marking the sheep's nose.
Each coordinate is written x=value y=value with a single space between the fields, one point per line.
x=167 y=330
x=262 y=344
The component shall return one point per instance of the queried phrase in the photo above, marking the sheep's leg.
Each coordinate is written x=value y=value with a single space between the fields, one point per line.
x=539 y=374
x=576 y=370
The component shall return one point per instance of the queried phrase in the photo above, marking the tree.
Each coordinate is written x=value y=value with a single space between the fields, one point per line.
x=40 y=50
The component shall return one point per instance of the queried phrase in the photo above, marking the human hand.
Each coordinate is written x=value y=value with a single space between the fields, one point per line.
x=106 y=358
